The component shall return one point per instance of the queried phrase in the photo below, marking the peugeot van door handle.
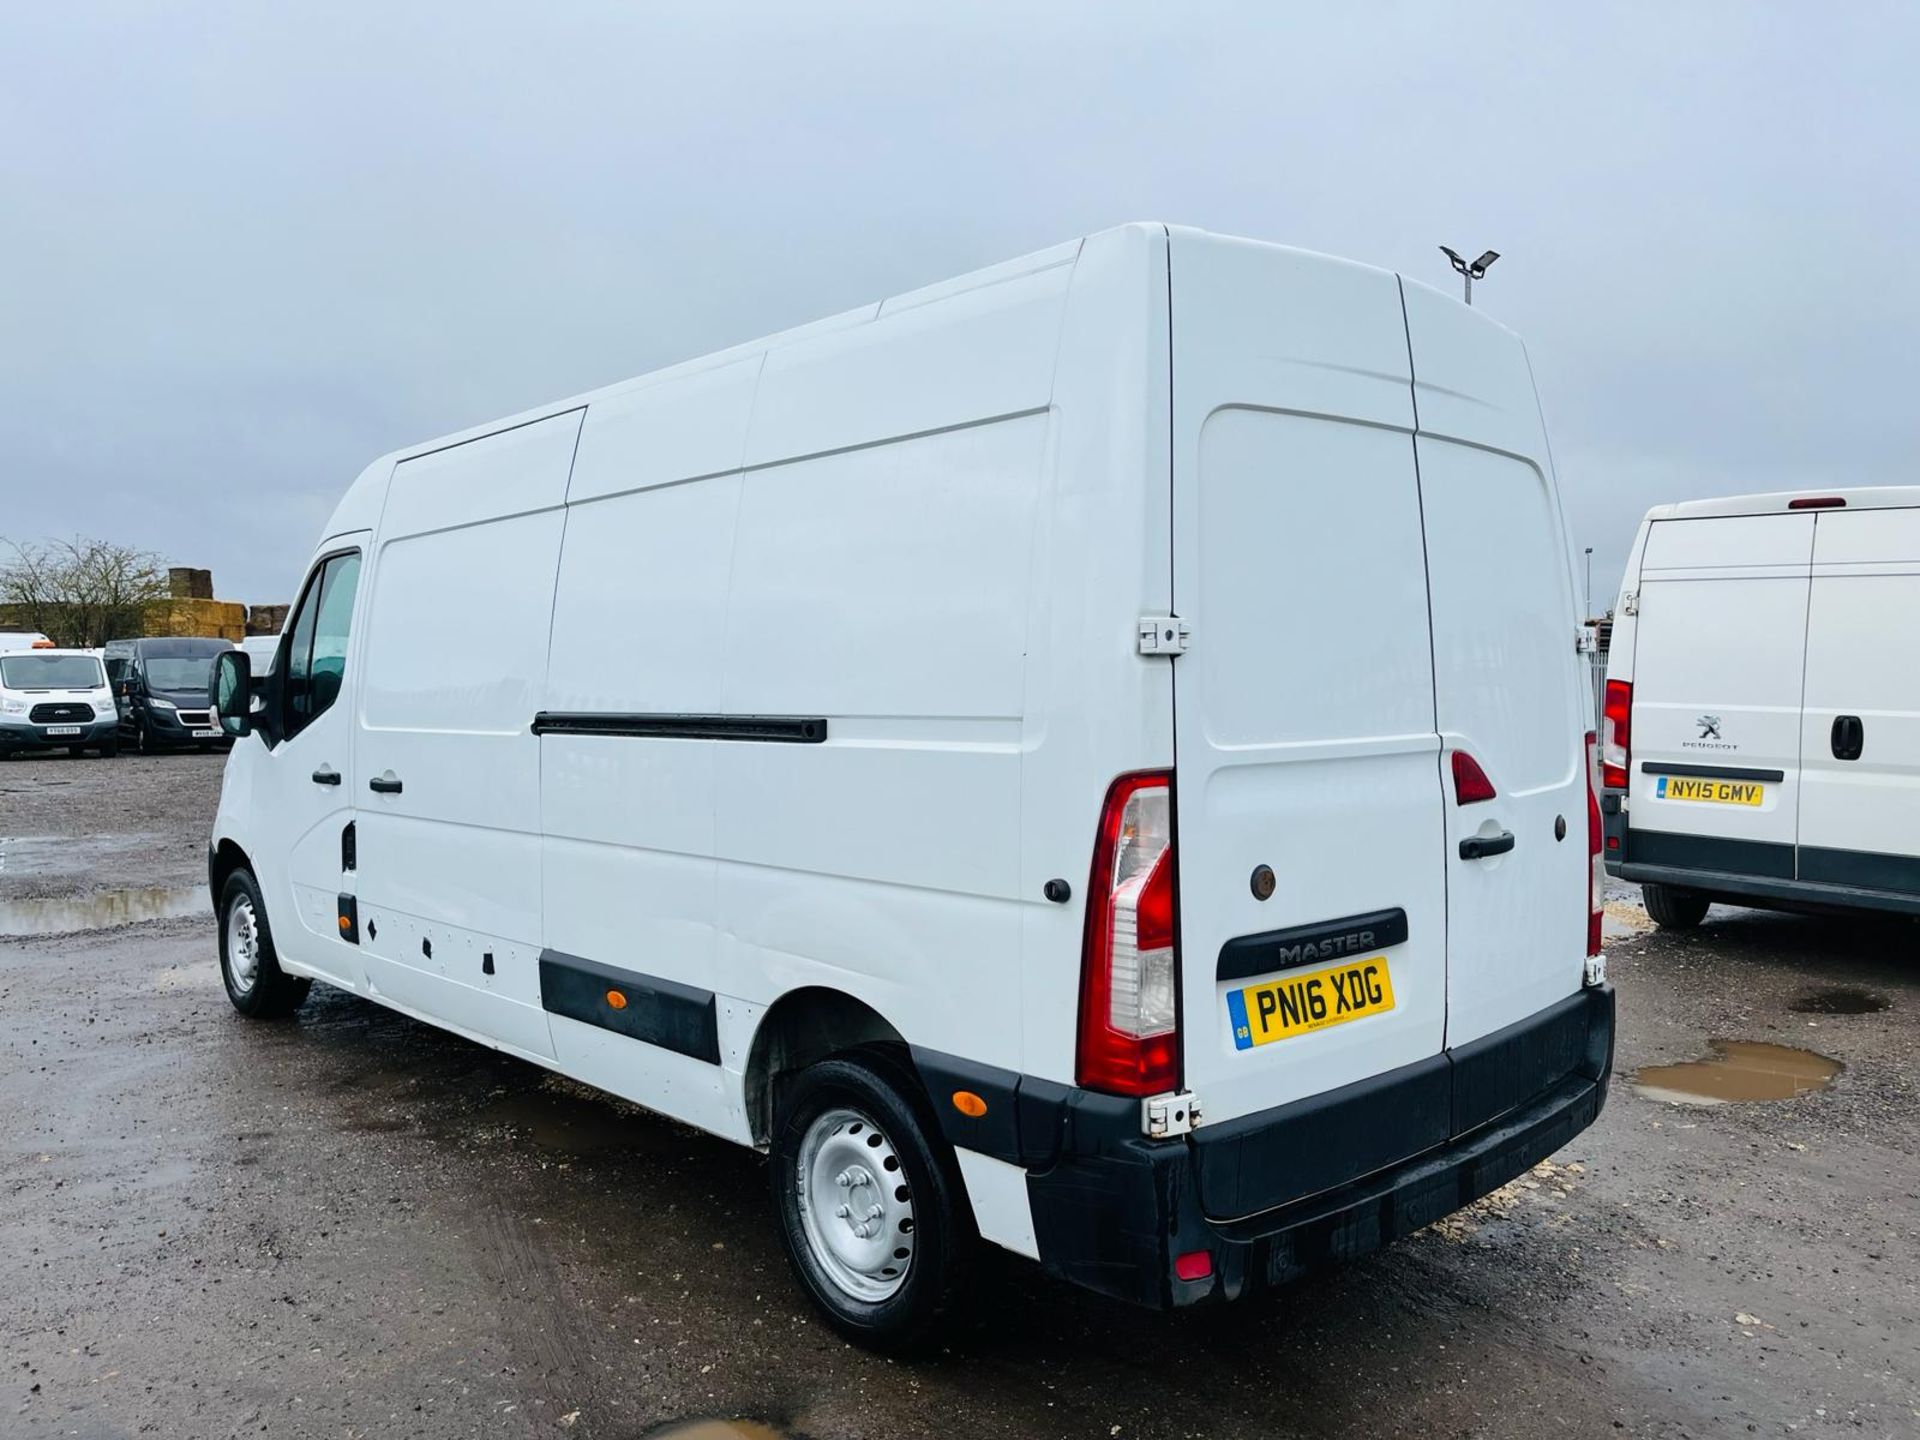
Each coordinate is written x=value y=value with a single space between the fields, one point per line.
x=326 y=775
x=383 y=786
x=1476 y=847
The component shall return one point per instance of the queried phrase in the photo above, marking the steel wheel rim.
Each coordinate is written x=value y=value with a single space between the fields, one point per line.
x=243 y=946
x=855 y=1208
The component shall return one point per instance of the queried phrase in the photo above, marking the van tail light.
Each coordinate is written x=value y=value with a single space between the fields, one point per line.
x=1596 y=862
x=1129 y=1042
x=1616 y=735
x=1470 y=782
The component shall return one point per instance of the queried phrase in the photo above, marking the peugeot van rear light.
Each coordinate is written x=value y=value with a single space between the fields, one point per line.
x=1129 y=968
x=1616 y=735
x=1596 y=861
x=1818 y=502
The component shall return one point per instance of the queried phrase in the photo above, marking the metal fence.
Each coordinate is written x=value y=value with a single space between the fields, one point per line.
x=1598 y=670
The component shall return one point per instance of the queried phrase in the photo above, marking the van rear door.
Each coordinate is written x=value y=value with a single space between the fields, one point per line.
x=1305 y=741
x=1860 y=741
x=1718 y=670
x=1510 y=687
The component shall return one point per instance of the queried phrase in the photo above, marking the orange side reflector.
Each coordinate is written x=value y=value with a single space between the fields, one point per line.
x=617 y=999
x=969 y=1104
x=345 y=923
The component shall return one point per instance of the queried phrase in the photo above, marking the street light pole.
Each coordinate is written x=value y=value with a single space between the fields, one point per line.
x=1589 y=614
x=1470 y=270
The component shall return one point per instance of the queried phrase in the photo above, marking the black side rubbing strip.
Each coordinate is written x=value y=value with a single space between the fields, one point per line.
x=676 y=1017
x=1248 y=955
x=788 y=729
x=1711 y=772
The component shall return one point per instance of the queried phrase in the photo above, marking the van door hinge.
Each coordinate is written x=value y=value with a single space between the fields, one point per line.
x=1630 y=603
x=1164 y=1116
x=1163 y=635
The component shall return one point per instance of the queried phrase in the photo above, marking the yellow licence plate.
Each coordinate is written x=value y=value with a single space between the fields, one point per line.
x=1297 y=1004
x=1713 y=792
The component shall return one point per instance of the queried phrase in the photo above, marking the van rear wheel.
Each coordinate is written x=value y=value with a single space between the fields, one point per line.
x=1673 y=908
x=255 y=983
x=872 y=1211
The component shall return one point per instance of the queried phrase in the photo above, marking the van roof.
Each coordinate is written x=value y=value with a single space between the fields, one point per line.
x=1884 y=497
x=176 y=646
x=359 y=506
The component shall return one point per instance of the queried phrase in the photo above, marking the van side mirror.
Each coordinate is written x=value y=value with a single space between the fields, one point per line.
x=230 y=692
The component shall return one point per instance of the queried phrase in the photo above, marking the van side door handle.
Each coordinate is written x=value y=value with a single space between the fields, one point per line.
x=1480 y=847
x=384 y=784
x=1849 y=737
x=326 y=775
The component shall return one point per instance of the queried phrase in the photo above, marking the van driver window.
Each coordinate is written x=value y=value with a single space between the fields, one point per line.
x=317 y=642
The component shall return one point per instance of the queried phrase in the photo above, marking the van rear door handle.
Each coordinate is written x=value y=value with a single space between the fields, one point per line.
x=384 y=784
x=326 y=775
x=1849 y=737
x=1480 y=847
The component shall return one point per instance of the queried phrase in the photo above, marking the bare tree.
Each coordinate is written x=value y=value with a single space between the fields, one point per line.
x=79 y=591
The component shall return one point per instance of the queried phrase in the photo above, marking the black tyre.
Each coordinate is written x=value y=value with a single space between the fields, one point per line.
x=143 y=739
x=871 y=1208
x=1673 y=908
x=110 y=750
x=255 y=983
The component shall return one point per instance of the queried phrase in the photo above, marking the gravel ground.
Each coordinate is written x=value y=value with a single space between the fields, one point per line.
x=354 y=1225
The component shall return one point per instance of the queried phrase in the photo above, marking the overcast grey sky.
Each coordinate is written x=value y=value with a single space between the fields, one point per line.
x=245 y=248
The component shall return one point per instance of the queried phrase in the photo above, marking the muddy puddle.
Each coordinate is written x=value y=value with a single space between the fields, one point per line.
x=718 y=1430
x=1738 y=1070
x=102 y=910
x=1839 y=1000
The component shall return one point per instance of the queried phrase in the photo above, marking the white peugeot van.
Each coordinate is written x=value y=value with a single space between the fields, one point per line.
x=1095 y=761
x=1762 y=711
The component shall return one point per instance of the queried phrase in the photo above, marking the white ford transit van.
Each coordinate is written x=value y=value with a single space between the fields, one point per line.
x=1095 y=760
x=1762 y=731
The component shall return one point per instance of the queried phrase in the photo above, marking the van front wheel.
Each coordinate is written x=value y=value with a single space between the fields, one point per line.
x=872 y=1211
x=1672 y=908
x=255 y=983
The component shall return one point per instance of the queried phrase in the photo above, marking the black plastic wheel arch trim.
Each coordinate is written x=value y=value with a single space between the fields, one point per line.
x=780 y=729
x=676 y=1017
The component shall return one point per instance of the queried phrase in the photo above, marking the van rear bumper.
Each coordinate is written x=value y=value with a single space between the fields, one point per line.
x=1273 y=1196
x=1770 y=876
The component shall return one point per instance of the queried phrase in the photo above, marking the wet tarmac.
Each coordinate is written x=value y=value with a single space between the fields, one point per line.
x=102 y=909
x=354 y=1225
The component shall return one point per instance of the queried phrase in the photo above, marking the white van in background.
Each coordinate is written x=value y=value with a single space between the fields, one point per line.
x=11 y=640
x=1762 y=733
x=261 y=648
x=946 y=625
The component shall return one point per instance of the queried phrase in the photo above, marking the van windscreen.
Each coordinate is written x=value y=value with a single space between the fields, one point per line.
x=179 y=672
x=51 y=672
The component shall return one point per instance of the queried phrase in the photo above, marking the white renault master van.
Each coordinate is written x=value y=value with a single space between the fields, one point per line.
x=1094 y=760
x=1762 y=730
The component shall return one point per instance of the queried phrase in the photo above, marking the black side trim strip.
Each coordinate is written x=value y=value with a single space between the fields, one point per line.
x=1715 y=772
x=676 y=1017
x=1275 y=950
x=1772 y=859
x=790 y=729
x=1860 y=869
